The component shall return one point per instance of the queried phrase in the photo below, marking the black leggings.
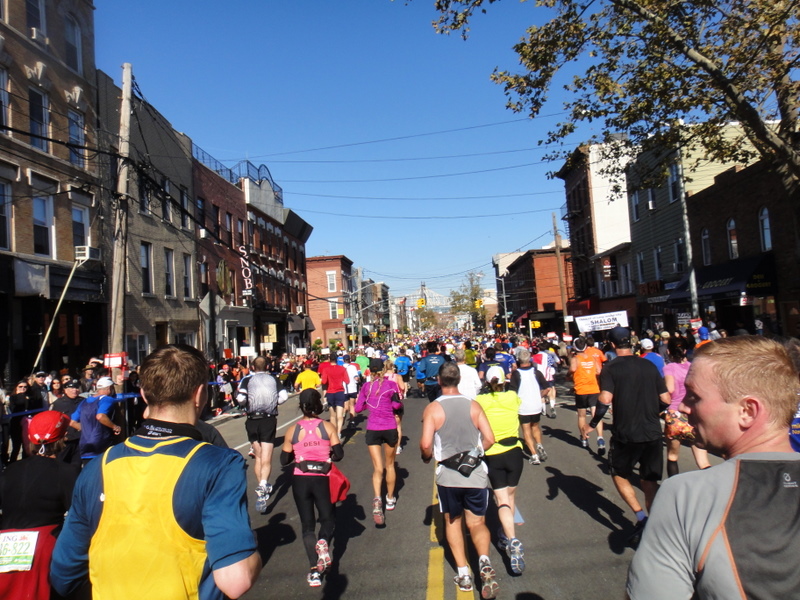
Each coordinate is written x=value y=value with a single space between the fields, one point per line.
x=314 y=491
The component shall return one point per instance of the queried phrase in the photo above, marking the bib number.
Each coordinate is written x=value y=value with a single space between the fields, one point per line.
x=16 y=550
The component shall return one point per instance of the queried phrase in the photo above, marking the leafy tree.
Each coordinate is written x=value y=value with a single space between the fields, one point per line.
x=646 y=65
x=468 y=300
x=428 y=319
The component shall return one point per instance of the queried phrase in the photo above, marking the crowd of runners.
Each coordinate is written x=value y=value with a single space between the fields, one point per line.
x=482 y=424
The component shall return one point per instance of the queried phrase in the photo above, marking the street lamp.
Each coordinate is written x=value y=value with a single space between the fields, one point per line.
x=505 y=307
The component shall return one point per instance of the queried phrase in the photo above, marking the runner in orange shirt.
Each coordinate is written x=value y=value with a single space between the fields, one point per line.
x=585 y=368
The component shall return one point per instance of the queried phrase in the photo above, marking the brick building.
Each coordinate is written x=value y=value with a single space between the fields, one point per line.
x=331 y=294
x=48 y=184
x=745 y=239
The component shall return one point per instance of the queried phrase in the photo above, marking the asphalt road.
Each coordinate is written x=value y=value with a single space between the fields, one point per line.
x=574 y=533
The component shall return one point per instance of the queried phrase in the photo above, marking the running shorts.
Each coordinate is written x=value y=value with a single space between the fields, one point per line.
x=586 y=400
x=336 y=399
x=505 y=469
x=454 y=501
x=261 y=430
x=376 y=437
x=648 y=455
x=524 y=419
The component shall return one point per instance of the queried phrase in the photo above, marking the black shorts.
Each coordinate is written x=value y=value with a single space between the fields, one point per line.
x=623 y=457
x=261 y=430
x=336 y=399
x=376 y=437
x=525 y=419
x=505 y=469
x=453 y=500
x=586 y=400
x=352 y=396
x=405 y=376
x=433 y=391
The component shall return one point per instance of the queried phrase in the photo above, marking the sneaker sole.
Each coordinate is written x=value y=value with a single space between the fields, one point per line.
x=462 y=588
x=489 y=589
x=517 y=564
x=378 y=518
x=391 y=506
x=323 y=557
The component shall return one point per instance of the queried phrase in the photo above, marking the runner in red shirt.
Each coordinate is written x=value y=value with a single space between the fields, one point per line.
x=334 y=378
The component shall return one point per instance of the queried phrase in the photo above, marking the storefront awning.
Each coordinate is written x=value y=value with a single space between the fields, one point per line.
x=309 y=324
x=296 y=323
x=752 y=276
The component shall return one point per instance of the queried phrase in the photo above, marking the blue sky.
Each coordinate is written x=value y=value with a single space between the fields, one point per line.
x=359 y=109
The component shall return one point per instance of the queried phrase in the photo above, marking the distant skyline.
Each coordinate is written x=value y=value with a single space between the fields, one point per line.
x=389 y=139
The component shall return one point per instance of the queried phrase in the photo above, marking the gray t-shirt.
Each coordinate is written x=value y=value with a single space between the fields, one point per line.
x=458 y=434
x=732 y=531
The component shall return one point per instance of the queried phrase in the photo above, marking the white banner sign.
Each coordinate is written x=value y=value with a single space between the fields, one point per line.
x=602 y=321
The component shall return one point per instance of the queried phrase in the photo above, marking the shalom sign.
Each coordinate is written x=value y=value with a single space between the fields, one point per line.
x=247 y=273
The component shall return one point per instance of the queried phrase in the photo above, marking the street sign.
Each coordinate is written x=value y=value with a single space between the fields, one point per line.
x=347 y=321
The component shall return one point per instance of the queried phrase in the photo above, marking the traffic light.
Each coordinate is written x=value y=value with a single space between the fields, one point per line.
x=421 y=303
x=478 y=304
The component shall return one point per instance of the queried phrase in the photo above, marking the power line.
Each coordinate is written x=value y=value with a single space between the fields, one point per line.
x=427 y=217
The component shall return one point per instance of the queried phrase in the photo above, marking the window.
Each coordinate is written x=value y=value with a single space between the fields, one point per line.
x=72 y=42
x=625 y=283
x=333 y=312
x=331 y=275
x=200 y=205
x=680 y=256
x=42 y=224
x=169 y=272
x=4 y=100
x=5 y=209
x=215 y=210
x=635 y=205
x=137 y=347
x=187 y=276
x=80 y=226
x=146 y=260
x=187 y=338
x=77 y=137
x=674 y=182
x=39 y=117
x=166 y=201
x=34 y=14
x=657 y=261
x=229 y=227
x=145 y=195
x=203 y=279
x=733 y=243
x=184 y=209
x=705 y=245
x=640 y=266
x=764 y=228
x=240 y=230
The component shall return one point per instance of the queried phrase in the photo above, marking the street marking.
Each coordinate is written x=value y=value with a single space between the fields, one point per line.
x=435 y=589
x=285 y=425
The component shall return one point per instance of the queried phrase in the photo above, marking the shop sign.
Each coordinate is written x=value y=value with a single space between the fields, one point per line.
x=247 y=273
x=745 y=301
x=683 y=318
x=602 y=321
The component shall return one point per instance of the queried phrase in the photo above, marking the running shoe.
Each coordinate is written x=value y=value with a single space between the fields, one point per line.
x=489 y=587
x=399 y=450
x=250 y=452
x=534 y=460
x=601 y=446
x=636 y=536
x=323 y=556
x=314 y=579
x=550 y=412
x=261 y=499
x=377 y=511
x=502 y=539
x=540 y=451
x=584 y=443
x=464 y=582
x=516 y=553
x=390 y=503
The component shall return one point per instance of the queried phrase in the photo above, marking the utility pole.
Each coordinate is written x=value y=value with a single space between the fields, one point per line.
x=562 y=288
x=119 y=261
x=358 y=307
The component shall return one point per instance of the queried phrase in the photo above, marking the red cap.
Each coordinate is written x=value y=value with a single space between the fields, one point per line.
x=48 y=427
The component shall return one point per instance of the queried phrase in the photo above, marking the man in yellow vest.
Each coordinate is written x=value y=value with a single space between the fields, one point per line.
x=163 y=515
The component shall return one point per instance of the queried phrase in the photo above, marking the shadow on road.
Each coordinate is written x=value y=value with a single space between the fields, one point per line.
x=586 y=496
x=275 y=533
x=349 y=515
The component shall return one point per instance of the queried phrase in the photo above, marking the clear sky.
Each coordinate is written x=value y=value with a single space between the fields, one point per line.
x=365 y=116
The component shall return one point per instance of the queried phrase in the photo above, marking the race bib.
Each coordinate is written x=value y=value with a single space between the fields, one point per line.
x=16 y=550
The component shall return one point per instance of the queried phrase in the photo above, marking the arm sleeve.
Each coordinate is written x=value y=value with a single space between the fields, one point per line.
x=606 y=381
x=662 y=568
x=361 y=401
x=241 y=393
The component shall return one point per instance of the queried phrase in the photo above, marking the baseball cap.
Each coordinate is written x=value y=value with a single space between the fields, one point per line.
x=104 y=382
x=647 y=344
x=73 y=383
x=495 y=371
x=48 y=427
x=619 y=335
x=665 y=334
x=40 y=374
x=703 y=333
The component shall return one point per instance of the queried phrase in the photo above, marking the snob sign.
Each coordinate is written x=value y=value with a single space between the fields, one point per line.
x=602 y=321
x=247 y=273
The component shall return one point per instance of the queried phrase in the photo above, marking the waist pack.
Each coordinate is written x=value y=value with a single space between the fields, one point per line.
x=319 y=467
x=463 y=462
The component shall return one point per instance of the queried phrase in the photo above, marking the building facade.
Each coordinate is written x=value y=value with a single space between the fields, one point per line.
x=51 y=202
x=332 y=293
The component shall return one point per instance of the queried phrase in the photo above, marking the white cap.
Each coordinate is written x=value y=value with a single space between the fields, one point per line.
x=104 y=382
x=647 y=344
x=496 y=371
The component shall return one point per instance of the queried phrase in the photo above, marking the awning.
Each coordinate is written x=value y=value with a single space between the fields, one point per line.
x=309 y=324
x=296 y=323
x=752 y=276
x=522 y=317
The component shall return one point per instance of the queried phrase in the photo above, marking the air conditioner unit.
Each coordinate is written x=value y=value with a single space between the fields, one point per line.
x=651 y=205
x=204 y=234
x=87 y=253
x=37 y=35
x=300 y=308
x=677 y=267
